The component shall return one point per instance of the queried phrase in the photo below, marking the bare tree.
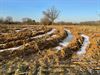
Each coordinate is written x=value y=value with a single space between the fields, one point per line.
x=9 y=19
x=1 y=19
x=51 y=13
x=45 y=21
x=27 y=20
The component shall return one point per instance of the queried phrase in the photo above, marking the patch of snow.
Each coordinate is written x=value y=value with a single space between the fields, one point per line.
x=84 y=45
x=18 y=30
x=48 y=33
x=53 y=35
x=14 y=48
x=58 y=47
x=66 y=41
x=52 y=31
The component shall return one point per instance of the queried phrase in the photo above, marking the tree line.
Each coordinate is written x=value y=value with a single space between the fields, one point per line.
x=49 y=17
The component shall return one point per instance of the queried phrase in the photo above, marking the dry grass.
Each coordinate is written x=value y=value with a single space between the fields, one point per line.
x=28 y=62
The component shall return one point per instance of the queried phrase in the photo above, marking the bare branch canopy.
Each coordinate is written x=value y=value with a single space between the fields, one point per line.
x=52 y=14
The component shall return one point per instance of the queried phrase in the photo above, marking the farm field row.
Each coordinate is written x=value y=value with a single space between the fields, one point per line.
x=38 y=47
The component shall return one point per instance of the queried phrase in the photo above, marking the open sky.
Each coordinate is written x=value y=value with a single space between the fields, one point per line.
x=70 y=10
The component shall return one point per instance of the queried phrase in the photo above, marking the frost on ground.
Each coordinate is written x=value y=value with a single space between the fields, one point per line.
x=84 y=45
x=38 y=36
x=14 y=48
x=48 y=33
x=66 y=41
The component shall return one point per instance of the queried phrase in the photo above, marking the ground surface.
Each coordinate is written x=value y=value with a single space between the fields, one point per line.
x=31 y=49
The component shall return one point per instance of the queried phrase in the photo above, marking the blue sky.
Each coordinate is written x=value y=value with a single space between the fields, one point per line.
x=70 y=10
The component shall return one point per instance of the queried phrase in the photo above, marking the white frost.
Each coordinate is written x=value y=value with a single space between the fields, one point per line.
x=84 y=45
x=48 y=33
x=58 y=47
x=18 y=30
x=66 y=41
x=14 y=48
x=52 y=31
x=38 y=36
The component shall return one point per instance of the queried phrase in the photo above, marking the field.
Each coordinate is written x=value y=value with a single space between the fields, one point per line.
x=49 y=50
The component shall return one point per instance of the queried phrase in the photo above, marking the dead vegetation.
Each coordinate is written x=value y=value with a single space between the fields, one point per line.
x=39 y=55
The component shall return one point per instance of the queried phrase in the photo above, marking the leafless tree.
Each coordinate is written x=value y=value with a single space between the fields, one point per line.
x=45 y=21
x=51 y=13
x=1 y=19
x=27 y=20
x=9 y=19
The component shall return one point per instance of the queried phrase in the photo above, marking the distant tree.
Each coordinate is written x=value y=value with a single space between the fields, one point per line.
x=28 y=20
x=1 y=19
x=8 y=19
x=51 y=13
x=45 y=21
x=34 y=22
